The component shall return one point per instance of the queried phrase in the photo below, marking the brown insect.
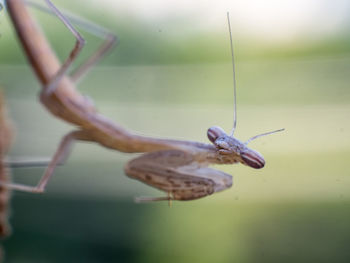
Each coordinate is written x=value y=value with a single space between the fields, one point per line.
x=179 y=168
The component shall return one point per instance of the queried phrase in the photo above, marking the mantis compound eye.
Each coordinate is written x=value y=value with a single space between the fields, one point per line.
x=253 y=159
x=215 y=132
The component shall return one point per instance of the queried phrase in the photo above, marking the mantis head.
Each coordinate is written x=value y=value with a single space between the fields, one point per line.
x=228 y=146
x=230 y=149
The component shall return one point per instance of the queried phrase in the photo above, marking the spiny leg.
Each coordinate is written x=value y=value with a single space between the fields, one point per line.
x=109 y=42
x=153 y=169
x=178 y=174
x=59 y=157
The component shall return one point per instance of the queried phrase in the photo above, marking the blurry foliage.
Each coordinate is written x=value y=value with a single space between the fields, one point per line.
x=239 y=232
x=304 y=81
x=143 y=43
x=161 y=83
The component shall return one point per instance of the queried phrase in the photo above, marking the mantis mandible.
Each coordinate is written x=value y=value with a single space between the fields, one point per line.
x=179 y=168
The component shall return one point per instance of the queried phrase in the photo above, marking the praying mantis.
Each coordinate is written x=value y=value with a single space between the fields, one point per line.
x=178 y=168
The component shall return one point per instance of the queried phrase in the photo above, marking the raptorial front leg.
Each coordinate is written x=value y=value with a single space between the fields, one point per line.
x=176 y=173
x=59 y=157
x=68 y=20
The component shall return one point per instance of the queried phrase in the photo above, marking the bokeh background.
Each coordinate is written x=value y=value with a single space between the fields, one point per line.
x=171 y=77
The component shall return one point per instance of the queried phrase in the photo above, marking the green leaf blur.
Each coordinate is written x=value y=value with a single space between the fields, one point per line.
x=161 y=83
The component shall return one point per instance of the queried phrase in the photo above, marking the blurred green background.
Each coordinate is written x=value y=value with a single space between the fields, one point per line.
x=171 y=77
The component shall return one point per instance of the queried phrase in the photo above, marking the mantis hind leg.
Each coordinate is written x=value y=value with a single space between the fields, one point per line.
x=68 y=20
x=178 y=174
x=59 y=157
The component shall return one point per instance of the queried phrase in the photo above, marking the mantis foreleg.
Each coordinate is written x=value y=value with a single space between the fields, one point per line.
x=178 y=174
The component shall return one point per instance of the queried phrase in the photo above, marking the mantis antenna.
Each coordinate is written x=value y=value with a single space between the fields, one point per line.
x=234 y=90
x=261 y=135
x=234 y=77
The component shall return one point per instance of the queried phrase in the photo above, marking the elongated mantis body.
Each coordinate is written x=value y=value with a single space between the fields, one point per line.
x=179 y=168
